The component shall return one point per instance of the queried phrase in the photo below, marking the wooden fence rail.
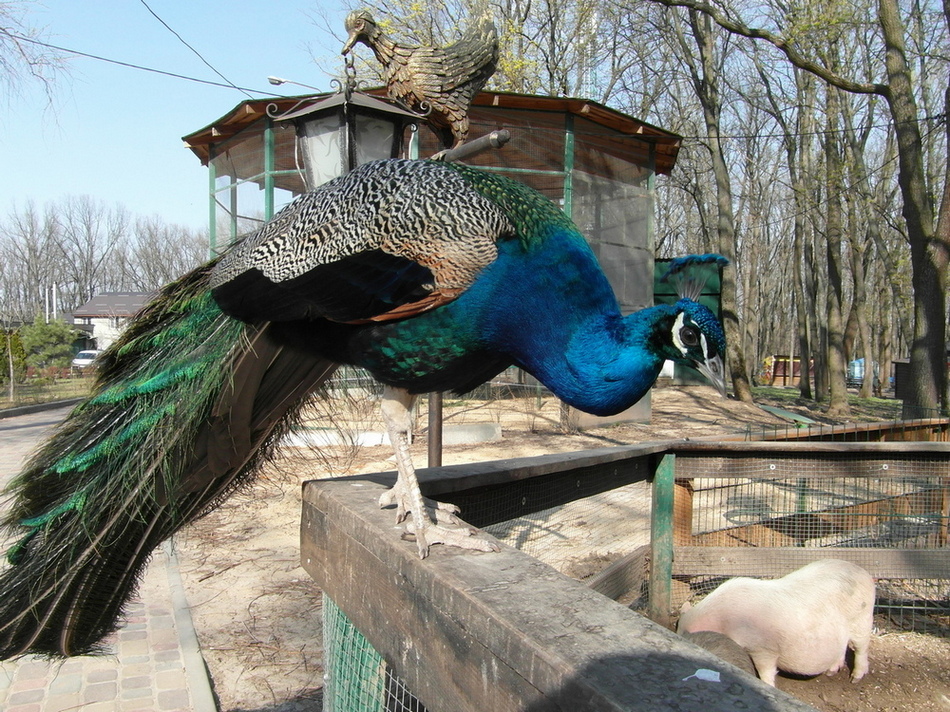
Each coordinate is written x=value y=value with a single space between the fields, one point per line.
x=473 y=631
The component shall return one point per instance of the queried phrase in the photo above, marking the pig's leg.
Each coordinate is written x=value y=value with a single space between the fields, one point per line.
x=860 y=645
x=765 y=665
x=842 y=662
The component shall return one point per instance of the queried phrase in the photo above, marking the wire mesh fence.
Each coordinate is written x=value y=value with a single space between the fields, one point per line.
x=889 y=513
x=925 y=425
x=758 y=510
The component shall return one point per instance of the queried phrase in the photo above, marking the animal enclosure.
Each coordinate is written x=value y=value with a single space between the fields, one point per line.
x=513 y=624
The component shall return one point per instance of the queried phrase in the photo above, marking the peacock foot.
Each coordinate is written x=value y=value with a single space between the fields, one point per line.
x=463 y=537
x=442 y=512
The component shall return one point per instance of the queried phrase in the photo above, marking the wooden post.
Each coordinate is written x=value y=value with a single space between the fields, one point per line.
x=683 y=512
x=435 y=430
x=944 y=511
x=661 y=541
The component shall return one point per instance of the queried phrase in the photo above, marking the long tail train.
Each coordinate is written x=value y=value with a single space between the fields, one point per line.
x=185 y=406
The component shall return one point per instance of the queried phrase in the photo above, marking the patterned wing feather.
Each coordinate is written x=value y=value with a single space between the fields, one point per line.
x=374 y=244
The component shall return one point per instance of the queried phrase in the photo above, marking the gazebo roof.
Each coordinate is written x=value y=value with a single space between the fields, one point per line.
x=248 y=112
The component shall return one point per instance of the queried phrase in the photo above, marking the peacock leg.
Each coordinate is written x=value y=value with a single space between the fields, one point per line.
x=406 y=494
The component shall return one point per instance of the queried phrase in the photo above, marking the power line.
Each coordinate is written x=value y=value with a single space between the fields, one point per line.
x=246 y=90
x=941 y=117
x=87 y=55
x=197 y=53
x=845 y=190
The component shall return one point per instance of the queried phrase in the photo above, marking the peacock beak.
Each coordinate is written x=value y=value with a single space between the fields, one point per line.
x=713 y=369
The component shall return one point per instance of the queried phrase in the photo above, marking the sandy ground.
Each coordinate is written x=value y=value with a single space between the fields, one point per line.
x=258 y=614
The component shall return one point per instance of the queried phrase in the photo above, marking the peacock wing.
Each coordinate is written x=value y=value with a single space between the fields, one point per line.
x=386 y=241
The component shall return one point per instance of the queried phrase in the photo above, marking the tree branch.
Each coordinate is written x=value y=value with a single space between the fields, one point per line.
x=794 y=56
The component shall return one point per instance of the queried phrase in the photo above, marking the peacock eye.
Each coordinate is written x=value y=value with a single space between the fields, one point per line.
x=689 y=336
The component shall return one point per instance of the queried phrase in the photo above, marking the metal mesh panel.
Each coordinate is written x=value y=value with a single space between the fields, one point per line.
x=890 y=514
x=580 y=537
x=790 y=502
x=356 y=677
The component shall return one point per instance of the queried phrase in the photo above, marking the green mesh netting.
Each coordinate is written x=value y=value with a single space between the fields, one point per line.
x=355 y=672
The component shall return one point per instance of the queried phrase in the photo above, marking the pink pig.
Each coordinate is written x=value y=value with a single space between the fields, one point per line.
x=802 y=623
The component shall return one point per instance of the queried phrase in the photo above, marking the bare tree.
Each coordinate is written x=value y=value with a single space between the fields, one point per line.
x=930 y=249
x=84 y=248
x=24 y=57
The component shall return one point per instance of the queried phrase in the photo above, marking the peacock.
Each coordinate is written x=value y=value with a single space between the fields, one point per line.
x=433 y=276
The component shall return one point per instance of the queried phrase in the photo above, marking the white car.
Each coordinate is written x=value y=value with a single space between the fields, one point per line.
x=84 y=359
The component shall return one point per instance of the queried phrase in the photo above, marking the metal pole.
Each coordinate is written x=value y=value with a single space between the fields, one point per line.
x=212 y=206
x=495 y=139
x=269 y=163
x=661 y=541
x=435 y=430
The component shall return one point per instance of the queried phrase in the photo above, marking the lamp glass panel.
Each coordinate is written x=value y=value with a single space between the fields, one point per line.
x=374 y=138
x=319 y=146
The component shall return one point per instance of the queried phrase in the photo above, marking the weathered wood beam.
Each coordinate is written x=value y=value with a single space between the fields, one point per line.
x=778 y=561
x=472 y=632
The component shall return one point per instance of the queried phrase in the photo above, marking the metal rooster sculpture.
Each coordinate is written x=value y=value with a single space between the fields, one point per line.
x=437 y=81
x=432 y=276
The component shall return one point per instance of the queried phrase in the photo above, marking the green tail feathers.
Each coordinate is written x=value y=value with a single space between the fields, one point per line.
x=130 y=466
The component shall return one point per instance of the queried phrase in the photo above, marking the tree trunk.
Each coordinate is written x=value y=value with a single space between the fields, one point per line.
x=929 y=251
x=707 y=90
x=838 y=404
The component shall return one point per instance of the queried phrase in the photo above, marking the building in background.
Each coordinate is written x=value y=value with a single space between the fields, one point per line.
x=107 y=314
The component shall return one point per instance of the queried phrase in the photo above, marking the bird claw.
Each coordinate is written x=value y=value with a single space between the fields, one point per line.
x=440 y=512
x=463 y=538
x=427 y=526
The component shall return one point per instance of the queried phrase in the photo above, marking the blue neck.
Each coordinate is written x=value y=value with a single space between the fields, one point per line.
x=553 y=311
x=606 y=367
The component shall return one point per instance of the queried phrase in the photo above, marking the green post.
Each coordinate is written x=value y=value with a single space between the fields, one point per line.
x=661 y=541
x=270 y=161
x=568 y=164
x=212 y=207
x=233 y=191
x=651 y=189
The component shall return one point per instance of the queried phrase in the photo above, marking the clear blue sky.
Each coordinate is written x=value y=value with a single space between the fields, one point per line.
x=114 y=133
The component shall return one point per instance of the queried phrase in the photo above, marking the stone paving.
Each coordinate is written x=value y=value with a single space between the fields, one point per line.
x=153 y=661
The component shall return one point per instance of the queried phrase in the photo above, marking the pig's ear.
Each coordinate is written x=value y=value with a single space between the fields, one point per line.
x=685 y=607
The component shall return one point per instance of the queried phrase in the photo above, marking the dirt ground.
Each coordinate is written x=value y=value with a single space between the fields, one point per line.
x=258 y=614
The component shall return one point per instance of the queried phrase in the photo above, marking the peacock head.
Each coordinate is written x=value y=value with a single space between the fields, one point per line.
x=360 y=27
x=694 y=337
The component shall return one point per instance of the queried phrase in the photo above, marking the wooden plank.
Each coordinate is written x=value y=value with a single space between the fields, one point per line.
x=777 y=466
x=683 y=512
x=928 y=429
x=624 y=575
x=944 y=512
x=750 y=535
x=470 y=631
x=438 y=481
x=687 y=448
x=778 y=561
x=798 y=528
